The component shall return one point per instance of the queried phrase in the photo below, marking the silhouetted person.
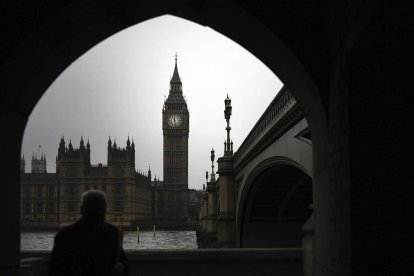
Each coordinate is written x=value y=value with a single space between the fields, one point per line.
x=89 y=246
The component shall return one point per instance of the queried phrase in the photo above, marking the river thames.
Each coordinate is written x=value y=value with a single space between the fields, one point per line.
x=162 y=240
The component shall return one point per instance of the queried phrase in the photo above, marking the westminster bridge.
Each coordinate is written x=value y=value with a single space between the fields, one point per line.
x=263 y=195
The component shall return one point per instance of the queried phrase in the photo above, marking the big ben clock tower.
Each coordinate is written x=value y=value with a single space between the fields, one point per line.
x=175 y=126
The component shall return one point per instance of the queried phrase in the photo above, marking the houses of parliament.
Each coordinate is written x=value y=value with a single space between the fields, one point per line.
x=53 y=199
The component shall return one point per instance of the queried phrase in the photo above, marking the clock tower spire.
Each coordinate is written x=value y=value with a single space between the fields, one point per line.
x=175 y=126
x=175 y=83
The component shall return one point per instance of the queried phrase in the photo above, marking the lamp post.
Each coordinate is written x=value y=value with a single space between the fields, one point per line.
x=206 y=177
x=228 y=145
x=213 y=176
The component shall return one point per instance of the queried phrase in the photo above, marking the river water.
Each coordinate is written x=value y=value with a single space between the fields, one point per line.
x=162 y=240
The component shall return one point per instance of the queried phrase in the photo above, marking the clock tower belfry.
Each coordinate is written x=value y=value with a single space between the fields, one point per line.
x=175 y=126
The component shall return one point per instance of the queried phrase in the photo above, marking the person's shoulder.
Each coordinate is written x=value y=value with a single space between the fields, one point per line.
x=67 y=231
x=111 y=228
x=111 y=232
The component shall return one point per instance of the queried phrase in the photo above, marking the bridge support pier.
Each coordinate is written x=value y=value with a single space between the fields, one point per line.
x=212 y=208
x=226 y=227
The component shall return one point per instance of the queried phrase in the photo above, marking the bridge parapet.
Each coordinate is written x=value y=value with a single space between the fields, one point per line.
x=204 y=262
x=277 y=135
x=281 y=112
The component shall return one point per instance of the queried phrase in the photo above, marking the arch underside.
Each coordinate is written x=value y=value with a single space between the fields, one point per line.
x=276 y=207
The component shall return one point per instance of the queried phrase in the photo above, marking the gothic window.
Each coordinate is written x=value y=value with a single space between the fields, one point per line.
x=119 y=171
x=51 y=190
x=39 y=207
x=71 y=206
x=119 y=190
x=72 y=171
x=51 y=208
x=71 y=191
x=39 y=192
x=119 y=207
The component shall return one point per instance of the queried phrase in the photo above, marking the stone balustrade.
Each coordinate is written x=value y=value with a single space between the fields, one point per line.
x=277 y=109
x=223 y=261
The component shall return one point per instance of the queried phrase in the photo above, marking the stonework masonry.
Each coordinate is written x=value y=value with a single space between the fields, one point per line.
x=51 y=200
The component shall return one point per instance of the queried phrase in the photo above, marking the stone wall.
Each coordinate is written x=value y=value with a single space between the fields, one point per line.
x=203 y=262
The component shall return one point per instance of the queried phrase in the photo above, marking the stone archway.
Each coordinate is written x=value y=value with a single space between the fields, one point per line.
x=61 y=38
x=275 y=205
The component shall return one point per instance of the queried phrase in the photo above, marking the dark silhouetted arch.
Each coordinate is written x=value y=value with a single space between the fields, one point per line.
x=274 y=205
x=61 y=34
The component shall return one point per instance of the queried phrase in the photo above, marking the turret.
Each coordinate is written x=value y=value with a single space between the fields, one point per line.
x=128 y=143
x=116 y=154
x=70 y=145
x=88 y=146
x=109 y=142
x=39 y=163
x=61 y=150
x=22 y=165
x=70 y=154
x=81 y=144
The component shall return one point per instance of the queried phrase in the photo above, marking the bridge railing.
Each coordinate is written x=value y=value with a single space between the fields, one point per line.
x=277 y=109
x=222 y=261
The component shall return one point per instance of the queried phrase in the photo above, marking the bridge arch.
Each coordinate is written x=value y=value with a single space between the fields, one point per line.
x=46 y=51
x=274 y=204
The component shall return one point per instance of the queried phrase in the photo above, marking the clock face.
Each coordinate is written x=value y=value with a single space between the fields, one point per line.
x=174 y=120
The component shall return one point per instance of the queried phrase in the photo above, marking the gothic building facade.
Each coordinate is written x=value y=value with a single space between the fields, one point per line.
x=53 y=199
x=38 y=194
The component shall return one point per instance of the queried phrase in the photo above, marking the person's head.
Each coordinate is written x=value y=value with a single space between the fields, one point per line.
x=93 y=206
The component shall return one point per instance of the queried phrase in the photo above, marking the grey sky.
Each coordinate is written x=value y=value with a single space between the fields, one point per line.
x=118 y=87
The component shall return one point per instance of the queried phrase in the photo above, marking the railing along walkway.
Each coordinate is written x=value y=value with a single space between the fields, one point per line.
x=275 y=120
x=221 y=261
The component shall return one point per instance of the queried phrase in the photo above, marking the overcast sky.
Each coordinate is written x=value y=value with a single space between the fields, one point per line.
x=117 y=89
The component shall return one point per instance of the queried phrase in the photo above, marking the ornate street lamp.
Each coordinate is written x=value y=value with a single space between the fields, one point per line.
x=206 y=177
x=228 y=145
x=213 y=176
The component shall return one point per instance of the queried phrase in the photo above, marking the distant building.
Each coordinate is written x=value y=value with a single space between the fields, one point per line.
x=176 y=127
x=53 y=199
x=39 y=191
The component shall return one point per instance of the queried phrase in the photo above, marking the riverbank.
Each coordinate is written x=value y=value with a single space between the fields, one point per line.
x=147 y=240
x=162 y=225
